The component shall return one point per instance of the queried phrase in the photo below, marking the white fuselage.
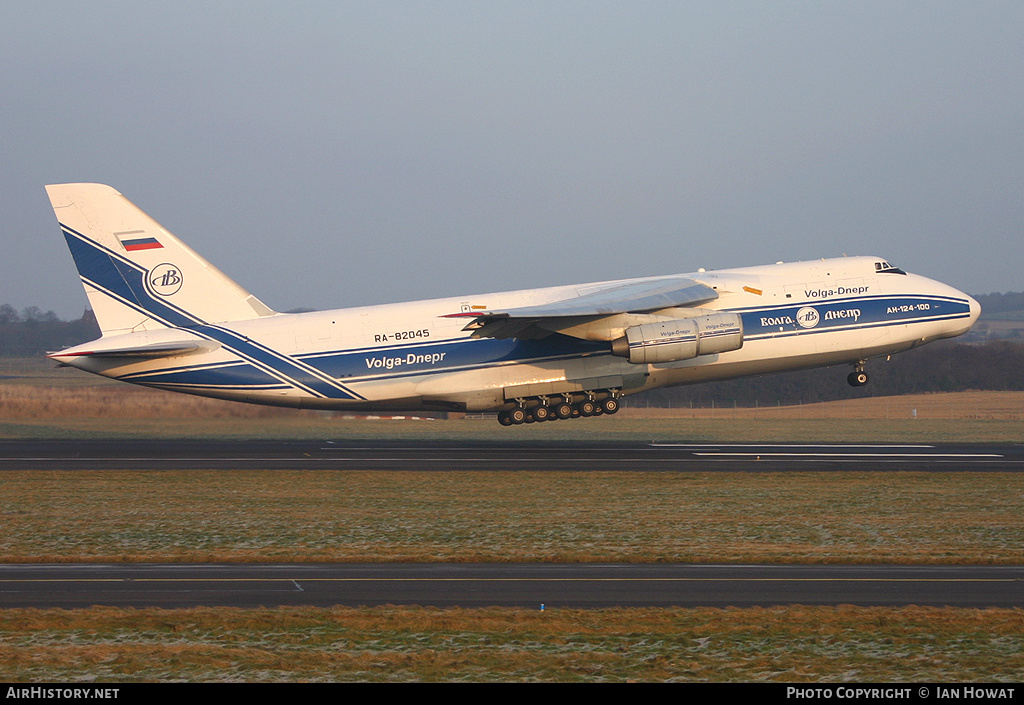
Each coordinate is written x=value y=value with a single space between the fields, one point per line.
x=414 y=356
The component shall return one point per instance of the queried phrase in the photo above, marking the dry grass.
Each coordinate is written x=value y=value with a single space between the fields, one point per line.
x=104 y=410
x=793 y=644
x=40 y=400
x=179 y=516
x=34 y=401
x=24 y=402
x=1007 y=406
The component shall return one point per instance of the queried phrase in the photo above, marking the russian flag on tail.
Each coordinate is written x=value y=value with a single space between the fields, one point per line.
x=141 y=243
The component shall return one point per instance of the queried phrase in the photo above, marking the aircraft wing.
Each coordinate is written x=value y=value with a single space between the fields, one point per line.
x=614 y=298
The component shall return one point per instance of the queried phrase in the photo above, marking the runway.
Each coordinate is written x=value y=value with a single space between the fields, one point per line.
x=532 y=586
x=157 y=454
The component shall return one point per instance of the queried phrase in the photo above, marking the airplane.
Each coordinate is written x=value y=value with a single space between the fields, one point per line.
x=171 y=320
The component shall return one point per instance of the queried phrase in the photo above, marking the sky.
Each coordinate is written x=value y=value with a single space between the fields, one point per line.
x=332 y=154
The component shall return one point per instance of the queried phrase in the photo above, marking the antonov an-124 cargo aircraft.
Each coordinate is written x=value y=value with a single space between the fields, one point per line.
x=171 y=320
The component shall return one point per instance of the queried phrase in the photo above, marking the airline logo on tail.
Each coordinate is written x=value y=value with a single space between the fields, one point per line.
x=165 y=279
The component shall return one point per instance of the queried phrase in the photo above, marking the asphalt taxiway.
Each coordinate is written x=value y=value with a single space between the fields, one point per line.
x=510 y=585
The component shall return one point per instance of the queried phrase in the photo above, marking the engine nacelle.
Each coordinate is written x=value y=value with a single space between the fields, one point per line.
x=680 y=339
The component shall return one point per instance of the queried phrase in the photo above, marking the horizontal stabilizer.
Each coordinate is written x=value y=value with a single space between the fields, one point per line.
x=156 y=350
x=145 y=344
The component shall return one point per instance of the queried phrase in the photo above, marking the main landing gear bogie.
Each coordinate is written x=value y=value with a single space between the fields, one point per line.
x=536 y=410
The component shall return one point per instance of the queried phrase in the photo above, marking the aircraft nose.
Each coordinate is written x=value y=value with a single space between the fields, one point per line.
x=960 y=325
x=975 y=309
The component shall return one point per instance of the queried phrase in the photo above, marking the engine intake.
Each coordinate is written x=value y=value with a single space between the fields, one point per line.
x=680 y=339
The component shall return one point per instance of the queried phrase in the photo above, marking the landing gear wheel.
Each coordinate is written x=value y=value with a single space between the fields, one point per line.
x=540 y=413
x=587 y=408
x=563 y=410
x=505 y=418
x=858 y=379
x=517 y=415
x=610 y=405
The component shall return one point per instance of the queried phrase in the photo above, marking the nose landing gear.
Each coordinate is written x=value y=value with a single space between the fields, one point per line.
x=858 y=378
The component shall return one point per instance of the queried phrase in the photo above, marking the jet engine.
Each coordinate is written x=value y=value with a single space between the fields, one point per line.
x=680 y=339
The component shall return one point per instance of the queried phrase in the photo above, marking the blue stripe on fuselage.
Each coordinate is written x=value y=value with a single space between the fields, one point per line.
x=393 y=362
x=465 y=353
x=858 y=312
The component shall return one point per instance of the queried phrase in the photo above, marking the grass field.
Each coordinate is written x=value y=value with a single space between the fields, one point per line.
x=392 y=644
x=339 y=515
x=361 y=516
x=40 y=400
x=106 y=411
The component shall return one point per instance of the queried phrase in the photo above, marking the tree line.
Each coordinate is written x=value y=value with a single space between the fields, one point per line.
x=1001 y=303
x=32 y=332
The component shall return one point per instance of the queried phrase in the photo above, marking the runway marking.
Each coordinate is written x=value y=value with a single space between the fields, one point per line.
x=784 y=445
x=294 y=581
x=923 y=456
x=524 y=459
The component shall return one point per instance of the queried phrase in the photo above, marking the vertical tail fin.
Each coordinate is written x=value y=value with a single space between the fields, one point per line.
x=137 y=275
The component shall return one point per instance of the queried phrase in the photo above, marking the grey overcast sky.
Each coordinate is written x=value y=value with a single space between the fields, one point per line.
x=329 y=154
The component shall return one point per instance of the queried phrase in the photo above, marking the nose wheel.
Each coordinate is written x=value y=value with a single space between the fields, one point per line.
x=858 y=378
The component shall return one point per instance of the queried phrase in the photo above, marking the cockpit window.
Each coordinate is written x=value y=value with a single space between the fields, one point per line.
x=886 y=268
